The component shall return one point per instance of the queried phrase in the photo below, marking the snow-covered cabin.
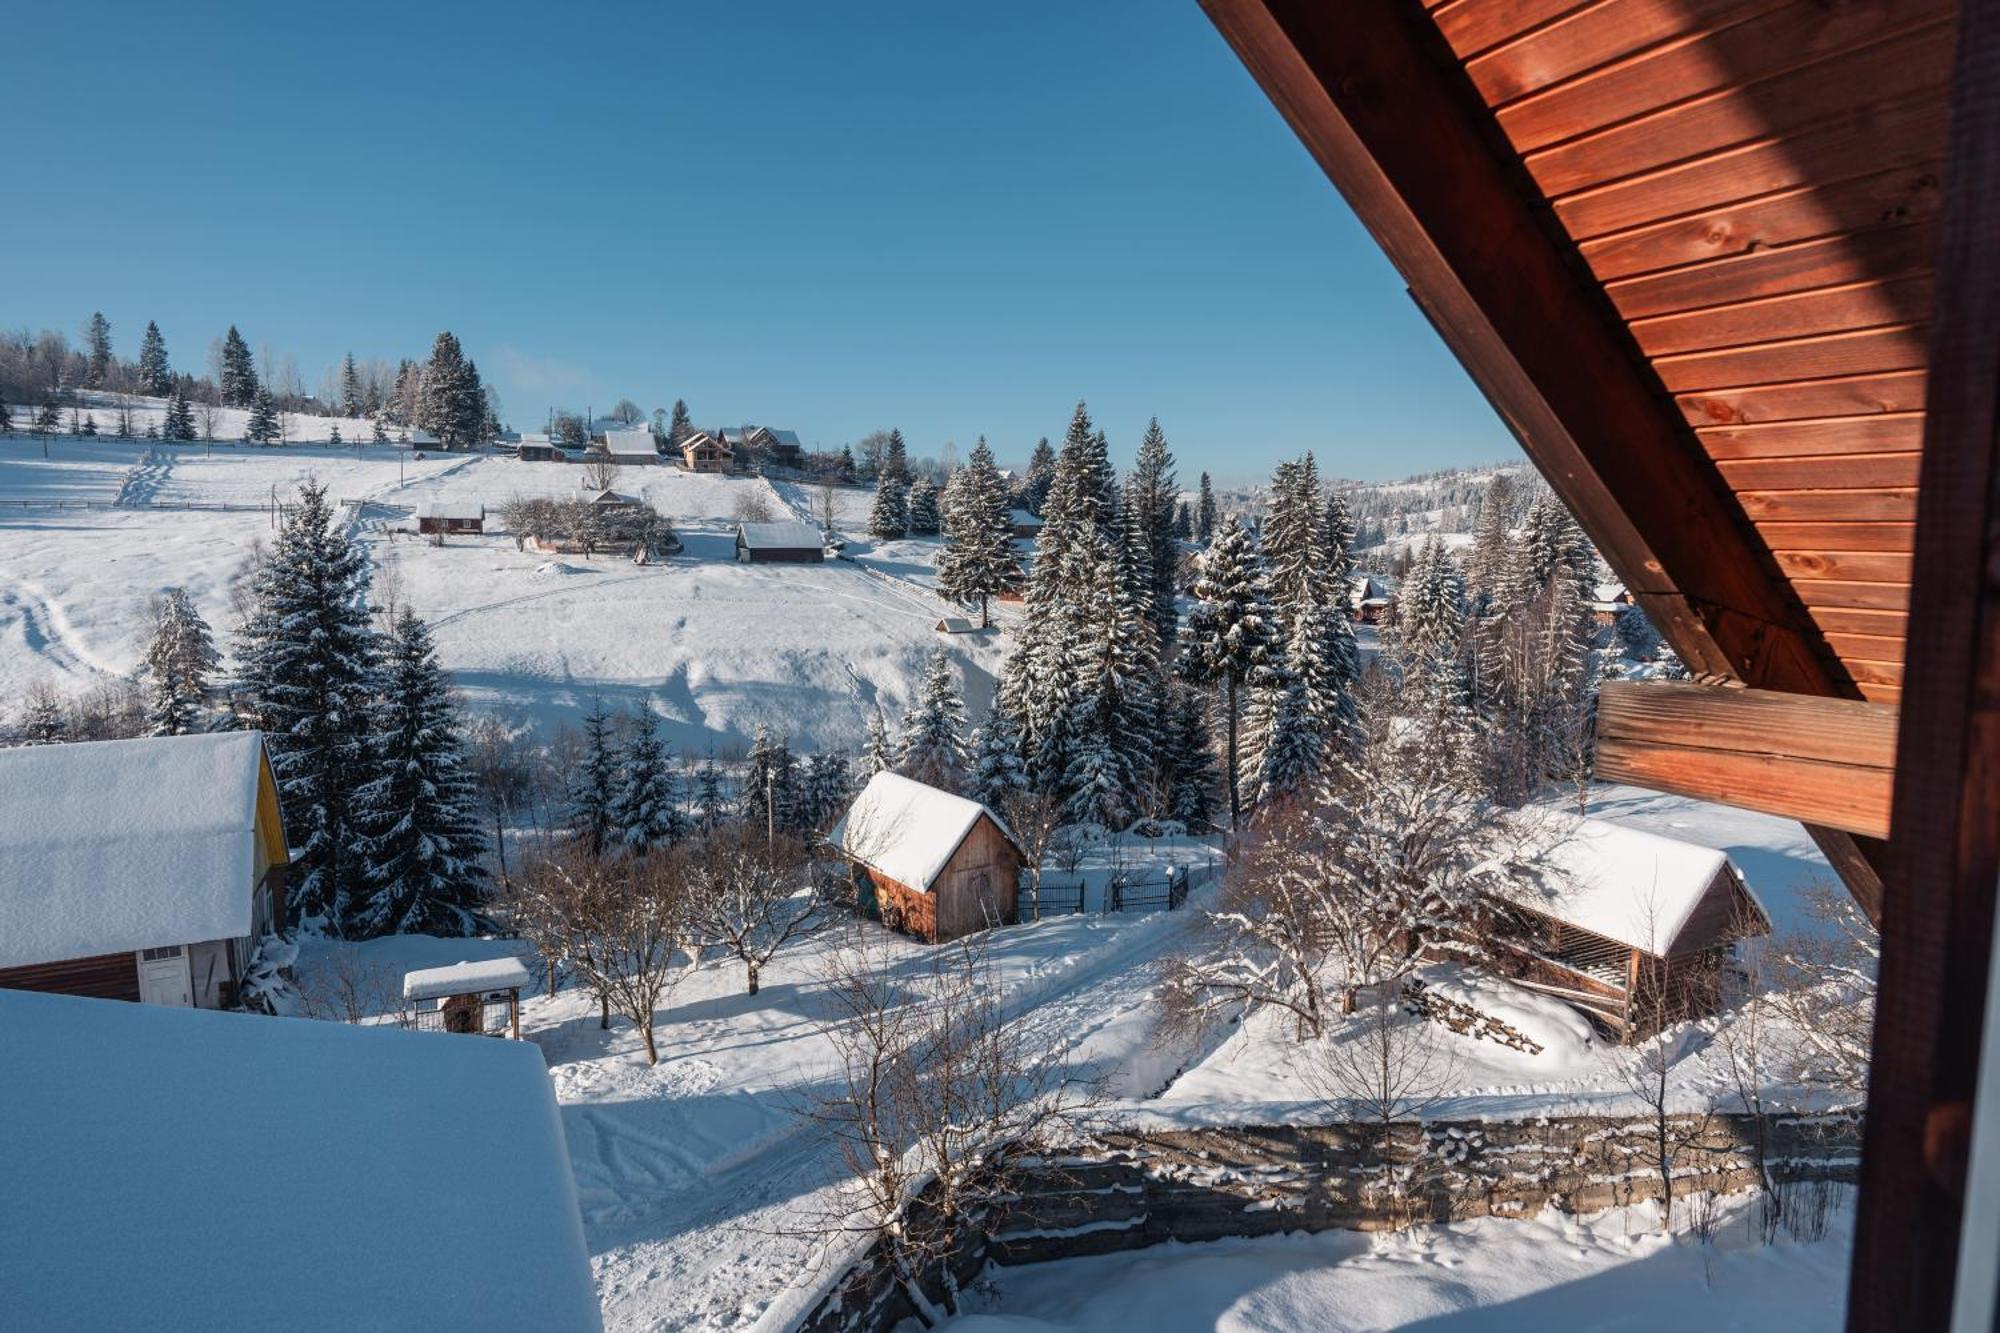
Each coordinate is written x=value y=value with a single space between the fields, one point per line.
x=176 y=1169
x=441 y=516
x=609 y=500
x=773 y=543
x=1632 y=926
x=931 y=863
x=957 y=625
x=702 y=452
x=1370 y=598
x=540 y=449
x=633 y=447
x=139 y=869
x=1607 y=602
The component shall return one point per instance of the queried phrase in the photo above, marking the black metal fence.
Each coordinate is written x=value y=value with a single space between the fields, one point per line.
x=1122 y=893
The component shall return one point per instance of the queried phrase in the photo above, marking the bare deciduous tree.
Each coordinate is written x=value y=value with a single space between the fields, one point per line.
x=1382 y=1065
x=599 y=474
x=749 y=895
x=751 y=505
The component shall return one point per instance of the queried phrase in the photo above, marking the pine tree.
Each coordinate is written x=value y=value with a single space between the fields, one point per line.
x=646 y=812
x=180 y=659
x=896 y=458
x=263 y=424
x=997 y=770
x=1340 y=533
x=878 y=755
x=924 y=519
x=97 y=342
x=155 y=376
x=1040 y=476
x=1149 y=500
x=424 y=873
x=1183 y=522
x=377 y=435
x=1114 y=681
x=593 y=788
x=89 y=426
x=334 y=438
x=49 y=419
x=889 y=516
x=307 y=676
x=1491 y=545
x=827 y=789
x=1294 y=751
x=179 y=424
x=1230 y=639
x=44 y=720
x=680 y=425
x=932 y=747
x=1429 y=627
x=450 y=402
x=709 y=804
x=1204 y=521
x=770 y=782
x=239 y=372
x=978 y=560
x=1189 y=775
x=350 y=386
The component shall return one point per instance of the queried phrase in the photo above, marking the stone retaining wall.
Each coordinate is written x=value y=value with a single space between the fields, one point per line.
x=1123 y=1191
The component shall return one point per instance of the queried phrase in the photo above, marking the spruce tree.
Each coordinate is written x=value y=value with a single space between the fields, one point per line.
x=179 y=424
x=424 y=872
x=770 y=782
x=647 y=808
x=593 y=788
x=997 y=771
x=49 y=419
x=1204 y=521
x=1149 y=499
x=1491 y=543
x=97 y=344
x=450 y=402
x=44 y=720
x=709 y=803
x=896 y=458
x=1040 y=476
x=878 y=754
x=1340 y=532
x=889 y=516
x=680 y=425
x=6 y=417
x=263 y=424
x=1113 y=672
x=155 y=376
x=307 y=679
x=89 y=426
x=239 y=372
x=924 y=518
x=932 y=747
x=1189 y=776
x=1183 y=522
x=1230 y=640
x=180 y=660
x=978 y=560
x=334 y=438
x=376 y=434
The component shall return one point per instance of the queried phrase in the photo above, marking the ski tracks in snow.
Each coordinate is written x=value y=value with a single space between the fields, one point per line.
x=46 y=627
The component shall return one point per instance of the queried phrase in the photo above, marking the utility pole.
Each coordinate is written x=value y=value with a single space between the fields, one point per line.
x=770 y=808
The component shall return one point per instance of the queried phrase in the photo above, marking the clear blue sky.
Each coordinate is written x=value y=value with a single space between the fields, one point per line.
x=958 y=219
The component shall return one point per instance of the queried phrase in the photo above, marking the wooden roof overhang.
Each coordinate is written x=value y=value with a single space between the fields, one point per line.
x=1706 y=260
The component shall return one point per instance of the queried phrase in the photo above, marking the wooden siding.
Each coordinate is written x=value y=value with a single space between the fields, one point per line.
x=111 y=976
x=976 y=889
x=1756 y=186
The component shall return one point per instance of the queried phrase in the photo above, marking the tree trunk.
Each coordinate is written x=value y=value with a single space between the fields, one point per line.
x=1235 y=796
x=984 y=623
x=751 y=967
x=652 y=1051
x=603 y=1011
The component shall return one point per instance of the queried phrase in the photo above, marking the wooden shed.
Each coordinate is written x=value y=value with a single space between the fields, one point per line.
x=933 y=864
x=442 y=516
x=1726 y=271
x=1632 y=927
x=780 y=543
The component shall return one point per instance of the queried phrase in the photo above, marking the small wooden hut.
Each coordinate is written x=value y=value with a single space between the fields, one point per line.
x=482 y=997
x=780 y=543
x=1629 y=926
x=442 y=516
x=930 y=863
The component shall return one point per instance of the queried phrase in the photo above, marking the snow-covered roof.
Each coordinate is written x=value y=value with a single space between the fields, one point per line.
x=332 y=1177
x=531 y=441
x=1608 y=592
x=457 y=510
x=701 y=438
x=788 y=438
x=780 y=536
x=1626 y=884
x=116 y=846
x=906 y=829
x=957 y=625
x=422 y=437
x=634 y=443
x=465 y=978
x=608 y=497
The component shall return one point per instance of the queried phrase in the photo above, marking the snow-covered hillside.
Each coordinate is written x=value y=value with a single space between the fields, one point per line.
x=715 y=647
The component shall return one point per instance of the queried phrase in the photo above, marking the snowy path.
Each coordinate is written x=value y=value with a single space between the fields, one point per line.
x=45 y=626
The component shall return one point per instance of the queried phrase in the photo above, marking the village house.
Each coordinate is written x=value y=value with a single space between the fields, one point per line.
x=927 y=862
x=628 y=448
x=442 y=516
x=168 y=1166
x=139 y=869
x=539 y=449
x=701 y=452
x=1631 y=927
x=1370 y=599
x=1607 y=602
x=775 y=543
x=956 y=625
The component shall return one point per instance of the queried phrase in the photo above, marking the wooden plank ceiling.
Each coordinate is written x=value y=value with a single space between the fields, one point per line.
x=1755 y=186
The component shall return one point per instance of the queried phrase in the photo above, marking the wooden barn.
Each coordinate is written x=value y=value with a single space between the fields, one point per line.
x=1629 y=926
x=930 y=863
x=702 y=452
x=442 y=516
x=1726 y=270
x=780 y=543
x=139 y=869
x=539 y=449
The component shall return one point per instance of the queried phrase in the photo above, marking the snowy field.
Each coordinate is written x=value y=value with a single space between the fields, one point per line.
x=1610 y=1271
x=714 y=647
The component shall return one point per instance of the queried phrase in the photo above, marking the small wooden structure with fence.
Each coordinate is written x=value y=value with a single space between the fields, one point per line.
x=482 y=998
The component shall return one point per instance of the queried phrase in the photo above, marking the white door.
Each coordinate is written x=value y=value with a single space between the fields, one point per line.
x=164 y=977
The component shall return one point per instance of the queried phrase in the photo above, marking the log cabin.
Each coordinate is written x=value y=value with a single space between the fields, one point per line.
x=139 y=869
x=930 y=863
x=442 y=516
x=780 y=543
x=701 y=452
x=1726 y=271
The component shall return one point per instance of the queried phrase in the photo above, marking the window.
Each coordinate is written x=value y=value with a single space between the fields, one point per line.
x=153 y=955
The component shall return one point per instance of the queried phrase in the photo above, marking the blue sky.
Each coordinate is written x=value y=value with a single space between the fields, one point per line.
x=956 y=219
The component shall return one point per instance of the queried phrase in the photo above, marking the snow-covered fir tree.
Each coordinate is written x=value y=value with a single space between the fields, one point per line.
x=646 y=810
x=262 y=427
x=997 y=771
x=97 y=350
x=1204 y=516
x=1149 y=500
x=1294 y=750
x=451 y=403
x=351 y=393
x=424 y=873
x=1429 y=627
x=828 y=785
x=925 y=520
x=155 y=375
x=1041 y=475
x=932 y=748
x=878 y=753
x=306 y=679
x=1550 y=545
x=1230 y=640
x=590 y=808
x=1491 y=545
x=1189 y=776
x=1113 y=676
x=179 y=424
x=978 y=561
x=896 y=458
x=376 y=434
x=679 y=425
x=769 y=781
x=1183 y=522
x=238 y=378
x=710 y=805
x=334 y=438
x=89 y=425
x=180 y=661
x=889 y=516
x=44 y=720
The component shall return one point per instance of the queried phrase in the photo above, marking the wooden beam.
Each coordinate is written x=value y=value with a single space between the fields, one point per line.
x=1820 y=760
x=1379 y=99
x=1937 y=927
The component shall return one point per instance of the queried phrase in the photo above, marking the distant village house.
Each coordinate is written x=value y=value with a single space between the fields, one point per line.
x=629 y=448
x=779 y=543
x=442 y=516
x=701 y=452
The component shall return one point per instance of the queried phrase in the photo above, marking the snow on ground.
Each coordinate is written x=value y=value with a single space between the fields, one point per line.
x=1613 y=1270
